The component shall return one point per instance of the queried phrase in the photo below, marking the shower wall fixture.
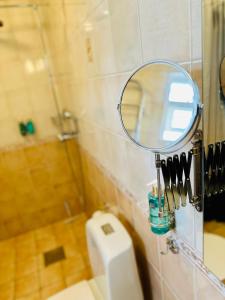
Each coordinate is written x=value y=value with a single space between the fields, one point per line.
x=67 y=123
x=40 y=177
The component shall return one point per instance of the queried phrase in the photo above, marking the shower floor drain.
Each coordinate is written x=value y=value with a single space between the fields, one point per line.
x=55 y=255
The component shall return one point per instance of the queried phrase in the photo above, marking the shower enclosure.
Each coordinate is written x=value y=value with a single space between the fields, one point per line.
x=40 y=175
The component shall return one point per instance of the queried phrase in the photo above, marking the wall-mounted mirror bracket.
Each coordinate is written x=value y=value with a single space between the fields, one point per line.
x=171 y=244
x=198 y=161
x=158 y=167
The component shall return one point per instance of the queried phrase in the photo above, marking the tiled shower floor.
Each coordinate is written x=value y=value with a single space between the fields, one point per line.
x=23 y=274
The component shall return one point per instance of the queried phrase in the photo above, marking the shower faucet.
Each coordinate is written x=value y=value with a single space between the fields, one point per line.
x=68 y=120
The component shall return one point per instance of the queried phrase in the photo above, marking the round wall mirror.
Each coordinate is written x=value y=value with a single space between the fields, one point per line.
x=222 y=79
x=159 y=107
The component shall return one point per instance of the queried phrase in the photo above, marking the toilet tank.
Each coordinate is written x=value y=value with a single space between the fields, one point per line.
x=112 y=258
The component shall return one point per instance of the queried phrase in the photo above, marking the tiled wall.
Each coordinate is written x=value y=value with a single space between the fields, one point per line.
x=167 y=277
x=93 y=46
x=38 y=174
x=104 y=44
x=25 y=89
x=35 y=183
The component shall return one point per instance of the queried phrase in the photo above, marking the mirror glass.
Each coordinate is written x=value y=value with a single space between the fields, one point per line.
x=214 y=137
x=159 y=106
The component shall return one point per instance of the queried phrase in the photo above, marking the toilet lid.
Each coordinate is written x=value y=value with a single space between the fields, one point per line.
x=79 y=291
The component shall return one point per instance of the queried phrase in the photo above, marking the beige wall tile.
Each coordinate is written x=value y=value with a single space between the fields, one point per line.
x=181 y=268
x=124 y=203
x=53 y=214
x=3 y=232
x=32 y=220
x=149 y=240
x=7 y=211
x=14 y=226
x=14 y=160
x=205 y=289
x=196 y=29
x=168 y=294
x=160 y=37
x=155 y=284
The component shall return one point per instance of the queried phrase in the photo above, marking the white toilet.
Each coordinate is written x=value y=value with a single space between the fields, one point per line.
x=113 y=264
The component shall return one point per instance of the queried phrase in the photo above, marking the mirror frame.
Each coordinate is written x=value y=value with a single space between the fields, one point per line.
x=197 y=111
x=222 y=95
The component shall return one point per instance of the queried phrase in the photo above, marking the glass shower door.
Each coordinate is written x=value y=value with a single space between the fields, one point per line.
x=38 y=184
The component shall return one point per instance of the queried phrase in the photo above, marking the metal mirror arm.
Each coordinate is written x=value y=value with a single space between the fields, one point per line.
x=158 y=167
x=197 y=151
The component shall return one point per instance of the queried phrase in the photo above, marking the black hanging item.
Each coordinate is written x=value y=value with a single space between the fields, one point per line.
x=22 y=129
x=186 y=165
x=208 y=167
x=222 y=195
x=207 y=199
x=172 y=172
x=214 y=197
x=222 y=166
x=180 y=186
x=168 y=191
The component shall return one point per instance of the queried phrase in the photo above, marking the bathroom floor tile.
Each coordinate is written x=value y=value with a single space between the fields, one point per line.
x=78 y=276
x=7 y=291
x=7 y=273
x=73 y=265
x=52 y=289
x=51 y=274
x=26 y=267
x=71 y=249
x=27 y=285
x=33 y=296
x=23 y=273
x=25 y=250
x=46 y=244
x=44 y=233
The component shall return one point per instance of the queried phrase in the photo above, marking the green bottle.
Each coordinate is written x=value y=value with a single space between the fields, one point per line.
x=22 y=129
x=159 y=225
x=30 y=127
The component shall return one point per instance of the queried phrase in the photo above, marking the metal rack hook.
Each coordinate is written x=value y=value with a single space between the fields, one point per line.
x=171 y=245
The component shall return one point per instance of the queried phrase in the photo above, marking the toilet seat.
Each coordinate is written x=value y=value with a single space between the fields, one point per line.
x=79 y=291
